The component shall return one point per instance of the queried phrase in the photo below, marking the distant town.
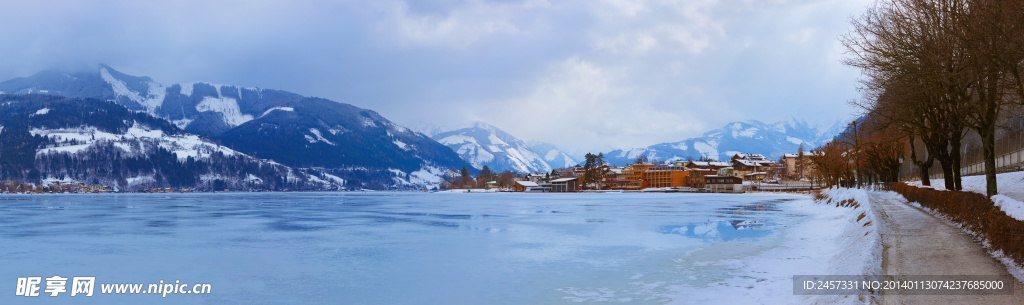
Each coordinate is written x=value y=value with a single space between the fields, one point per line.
x=741 y=173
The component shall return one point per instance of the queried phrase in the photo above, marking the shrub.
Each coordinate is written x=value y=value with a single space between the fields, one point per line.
x=976 y=213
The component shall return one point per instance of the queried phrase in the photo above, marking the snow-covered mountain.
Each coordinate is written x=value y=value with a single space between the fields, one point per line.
x=771 y=140
x=555 y=157
x=47 y=138
x=482 y=144
x=356 y=144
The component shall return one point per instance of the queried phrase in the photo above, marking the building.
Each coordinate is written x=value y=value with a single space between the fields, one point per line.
x=565 y=172
x=755 y=176
x=525 y=186
x=712 y=165
x=742 y=167
x=749 y=157
x=666 y=176
x=633 y=177
x=535 y=177
x=565 y=185
x=723 y=184
x=611 y=179
x=752 y=167
x=695 y=178
x=792 y=168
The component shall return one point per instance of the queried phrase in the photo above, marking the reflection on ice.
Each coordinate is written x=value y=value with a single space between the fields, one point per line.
x=719 y=230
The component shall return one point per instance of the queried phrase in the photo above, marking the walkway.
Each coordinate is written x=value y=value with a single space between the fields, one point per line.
x=917 y=243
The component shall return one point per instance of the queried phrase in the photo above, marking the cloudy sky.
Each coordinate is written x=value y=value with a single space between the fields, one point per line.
x=585 y=75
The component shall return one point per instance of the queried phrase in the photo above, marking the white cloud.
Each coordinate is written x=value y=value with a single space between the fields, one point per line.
x=459 y=27
x=581 y=74
x=626 y=7
x=638 y=27
x=577 y=101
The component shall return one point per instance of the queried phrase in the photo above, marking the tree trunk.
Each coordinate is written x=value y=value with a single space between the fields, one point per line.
x=923 y=169
x=988 y=140
x=947 y=173
x=957 y=180
x=922 y=166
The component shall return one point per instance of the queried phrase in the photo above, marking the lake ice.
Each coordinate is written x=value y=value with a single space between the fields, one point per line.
x=399 y=248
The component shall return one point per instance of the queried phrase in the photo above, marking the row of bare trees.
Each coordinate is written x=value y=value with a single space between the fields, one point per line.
x=868 y=151
x=462 y=179
x=934 y=70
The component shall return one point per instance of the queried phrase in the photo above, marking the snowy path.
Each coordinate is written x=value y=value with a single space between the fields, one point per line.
x=916 y=243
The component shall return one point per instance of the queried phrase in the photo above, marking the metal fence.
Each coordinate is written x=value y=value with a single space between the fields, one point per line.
x=1009 y=151
x=784 y=188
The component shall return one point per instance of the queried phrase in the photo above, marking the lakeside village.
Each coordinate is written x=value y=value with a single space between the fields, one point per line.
x=743 y=172
x=58 y=187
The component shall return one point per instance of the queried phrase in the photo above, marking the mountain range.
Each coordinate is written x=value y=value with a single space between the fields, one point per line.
x=358 y=145
x=313 y=143
x=484 y=145
x=47 y=138
x=771 y=140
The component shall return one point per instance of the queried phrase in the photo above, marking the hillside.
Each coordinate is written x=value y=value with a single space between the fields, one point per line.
x=359 y=145
x=46 y=138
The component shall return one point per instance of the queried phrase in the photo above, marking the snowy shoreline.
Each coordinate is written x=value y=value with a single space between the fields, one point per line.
x=830 y=240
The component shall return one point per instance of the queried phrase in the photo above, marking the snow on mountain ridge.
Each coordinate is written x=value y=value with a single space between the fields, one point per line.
x=751 y=136
x=183 y=146
x=154 y=95
x=482 y=144
x=227 y=107
x=213 y=110
x=554 y=157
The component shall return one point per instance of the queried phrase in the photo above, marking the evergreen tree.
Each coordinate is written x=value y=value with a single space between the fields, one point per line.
x=486 y=174
x=465 y=177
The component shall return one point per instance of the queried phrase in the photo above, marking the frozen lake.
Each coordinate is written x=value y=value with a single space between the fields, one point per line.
x=393 y=248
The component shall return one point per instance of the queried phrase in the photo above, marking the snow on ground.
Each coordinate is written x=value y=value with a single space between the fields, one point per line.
x=277 y=108
x=227 y=107
x=335 y=179
x=1010 y=206
x=401 y=144
x=1010 y=185
x=367 y=122
x=182 y=123
x=119 y=87
x=140 y=179
x=633 y=153
x=457 y=139
x=186 y=88
x=154 y=95
x=831 y=241
x=551 y=155
x=709 y=149
x=183 y=146
x=319 y=137
x=469 y=191
x=253 y=179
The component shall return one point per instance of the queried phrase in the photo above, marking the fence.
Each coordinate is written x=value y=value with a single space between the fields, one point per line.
x=1009 y=151
x=786 y=188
